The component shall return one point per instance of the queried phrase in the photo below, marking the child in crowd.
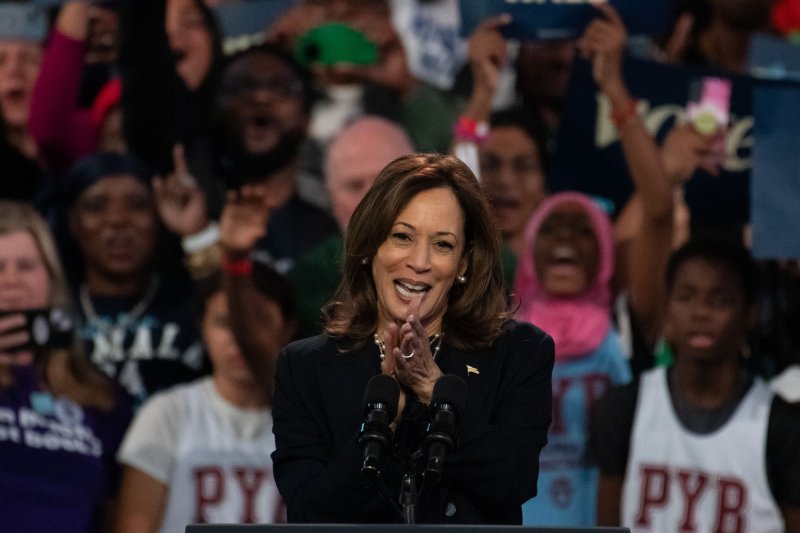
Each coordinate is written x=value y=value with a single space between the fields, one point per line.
x=703 y=445
x=564 y=287
x=61 y=420
x=200 y=452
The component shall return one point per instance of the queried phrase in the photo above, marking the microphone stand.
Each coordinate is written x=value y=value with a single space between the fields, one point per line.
x=409 y=496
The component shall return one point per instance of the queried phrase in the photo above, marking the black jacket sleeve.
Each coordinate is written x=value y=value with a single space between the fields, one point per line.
x=496 y=463
x=318 y=479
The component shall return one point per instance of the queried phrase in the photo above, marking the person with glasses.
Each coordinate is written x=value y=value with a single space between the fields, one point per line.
x=261 y=121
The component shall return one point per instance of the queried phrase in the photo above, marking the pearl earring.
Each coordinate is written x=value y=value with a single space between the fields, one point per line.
x=461 y=279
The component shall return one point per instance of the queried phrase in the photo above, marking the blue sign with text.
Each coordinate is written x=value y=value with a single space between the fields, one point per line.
x=564 y=19
x=589 y=155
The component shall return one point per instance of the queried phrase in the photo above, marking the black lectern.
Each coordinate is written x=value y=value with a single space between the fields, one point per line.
x=389 y=528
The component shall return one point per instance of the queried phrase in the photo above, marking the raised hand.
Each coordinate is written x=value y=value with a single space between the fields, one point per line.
x=180 y=201
x=414 y=365
x=390 y=338
x=488 y=54
x=244 y=219
x=684 y=150
x=603 y=43
x=678 y=42
x=391 y=70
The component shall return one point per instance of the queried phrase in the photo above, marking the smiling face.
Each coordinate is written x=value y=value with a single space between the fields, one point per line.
x=421 y=257
x=707 y=314
x=566 y=253
x=512 y=173
x=19 y=67
x=115 y=224
x=190 y=41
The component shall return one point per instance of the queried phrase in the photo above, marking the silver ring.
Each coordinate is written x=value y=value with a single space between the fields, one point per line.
x=409 y=356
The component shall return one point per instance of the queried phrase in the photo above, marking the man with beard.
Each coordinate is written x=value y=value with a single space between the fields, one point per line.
x=260 y=123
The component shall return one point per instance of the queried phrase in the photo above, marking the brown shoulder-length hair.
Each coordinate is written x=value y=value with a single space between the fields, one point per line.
x=65 y=371
x=477 y=311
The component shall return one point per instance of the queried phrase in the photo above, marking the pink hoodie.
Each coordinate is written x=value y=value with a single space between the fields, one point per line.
x=577 y=324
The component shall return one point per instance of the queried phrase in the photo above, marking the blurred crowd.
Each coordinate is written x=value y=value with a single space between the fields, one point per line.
x=175 y=215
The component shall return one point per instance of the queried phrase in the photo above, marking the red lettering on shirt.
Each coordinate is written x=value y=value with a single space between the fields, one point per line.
x=655 y=492
x=692 y=485
x=250 y=480
x=731 y=502
x=209 y=490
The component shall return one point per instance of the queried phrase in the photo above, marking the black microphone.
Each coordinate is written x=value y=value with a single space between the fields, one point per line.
x=447 y=404
x=380 y=409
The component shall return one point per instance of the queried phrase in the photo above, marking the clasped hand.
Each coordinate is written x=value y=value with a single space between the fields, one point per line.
x=409 y=358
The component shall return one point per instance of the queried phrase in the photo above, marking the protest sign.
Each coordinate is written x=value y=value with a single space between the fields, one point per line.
x=589 y=155
x=563 y=19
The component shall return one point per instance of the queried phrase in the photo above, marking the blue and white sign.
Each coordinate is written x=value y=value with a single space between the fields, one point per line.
x=564 y=19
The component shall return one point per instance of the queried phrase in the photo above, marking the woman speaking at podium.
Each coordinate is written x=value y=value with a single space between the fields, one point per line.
x=421 y=297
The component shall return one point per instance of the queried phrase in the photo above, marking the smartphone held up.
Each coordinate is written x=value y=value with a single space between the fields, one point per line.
x=38 y=328
x=708 y=111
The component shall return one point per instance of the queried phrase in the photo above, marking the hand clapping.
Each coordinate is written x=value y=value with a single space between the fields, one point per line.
x=409 y=357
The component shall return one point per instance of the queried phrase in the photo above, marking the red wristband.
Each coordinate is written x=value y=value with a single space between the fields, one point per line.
x=468 y=129
x=237 y=267
x=620 y=117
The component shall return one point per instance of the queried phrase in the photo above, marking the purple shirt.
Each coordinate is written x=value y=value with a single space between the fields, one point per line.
x=56 y=458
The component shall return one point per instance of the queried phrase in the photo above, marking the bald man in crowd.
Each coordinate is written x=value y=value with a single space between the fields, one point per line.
x=355 y=157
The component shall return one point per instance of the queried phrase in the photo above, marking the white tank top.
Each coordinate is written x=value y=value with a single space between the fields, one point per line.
x=677 y=480
x=222 y=469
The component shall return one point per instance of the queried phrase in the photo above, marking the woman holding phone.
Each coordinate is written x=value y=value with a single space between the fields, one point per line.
x=60 y=422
